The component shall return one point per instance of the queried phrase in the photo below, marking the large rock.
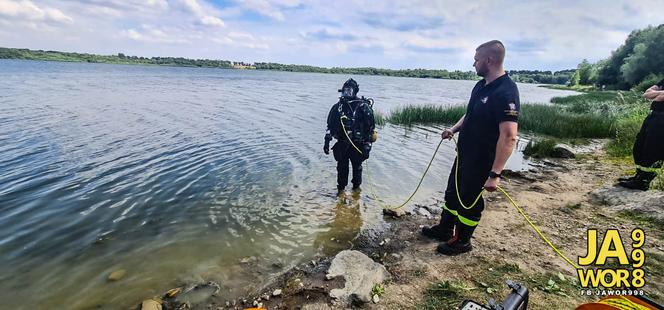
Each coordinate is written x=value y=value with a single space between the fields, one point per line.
x=650 y=203
x=562 y=151
x=361 y=274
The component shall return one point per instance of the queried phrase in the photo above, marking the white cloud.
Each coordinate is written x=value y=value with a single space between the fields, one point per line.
x=204 y=18
x=193 y=6
x=27 y=11
x=389 y=33
x=212 y=21
x=264 y=8
x=242 y=40
x=151 y=34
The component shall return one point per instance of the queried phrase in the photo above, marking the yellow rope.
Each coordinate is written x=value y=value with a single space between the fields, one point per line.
x=369 y=175
x=456 y=185
x=523 y=214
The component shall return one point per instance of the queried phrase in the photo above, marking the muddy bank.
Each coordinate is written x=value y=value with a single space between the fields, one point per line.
x=563 y=197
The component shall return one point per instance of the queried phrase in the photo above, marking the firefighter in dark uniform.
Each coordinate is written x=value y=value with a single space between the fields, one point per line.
x=487 y=136
x=358 y=120
x=648 y=151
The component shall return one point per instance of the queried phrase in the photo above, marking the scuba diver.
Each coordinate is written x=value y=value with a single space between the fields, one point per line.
x=355 y=115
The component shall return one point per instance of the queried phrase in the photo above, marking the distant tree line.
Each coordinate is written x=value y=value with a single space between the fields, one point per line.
x=542 y=77
x=120 y=58
x=637 y=64
x=524 y=76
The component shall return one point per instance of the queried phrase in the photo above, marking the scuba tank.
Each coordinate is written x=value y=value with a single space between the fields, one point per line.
x=348 y=121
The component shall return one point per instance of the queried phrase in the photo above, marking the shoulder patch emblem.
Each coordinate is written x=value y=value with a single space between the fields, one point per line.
x=485 y=99
x=512 y=106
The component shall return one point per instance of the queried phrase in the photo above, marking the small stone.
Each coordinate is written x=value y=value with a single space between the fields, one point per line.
x=266 y=297
x=117 y=275
x=395 y=256
x=276 y=292
x=228 y=303
x=375 y=299
x=313 y=262
x=255 y=303
x=503 y=249
x=247 y=260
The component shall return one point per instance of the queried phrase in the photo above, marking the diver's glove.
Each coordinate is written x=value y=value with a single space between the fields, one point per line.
x=326 y=146
x=366 y=148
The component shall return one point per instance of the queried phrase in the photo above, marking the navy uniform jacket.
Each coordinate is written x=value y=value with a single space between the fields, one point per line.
x=489 y=105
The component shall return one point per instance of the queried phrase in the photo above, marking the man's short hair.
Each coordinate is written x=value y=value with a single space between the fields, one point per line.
x=494 y=49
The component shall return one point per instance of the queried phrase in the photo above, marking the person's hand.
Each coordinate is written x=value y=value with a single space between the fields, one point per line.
x=326 y=147
x=653 y=88
x=491 y=184
x=447 y=134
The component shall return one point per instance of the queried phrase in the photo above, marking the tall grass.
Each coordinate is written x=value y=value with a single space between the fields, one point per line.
x=379 y=118
x=544 y=119
x=627 y=126
x=560 y=123
x=426 y=114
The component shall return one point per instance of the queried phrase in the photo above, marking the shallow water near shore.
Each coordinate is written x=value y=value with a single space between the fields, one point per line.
x=188 y=175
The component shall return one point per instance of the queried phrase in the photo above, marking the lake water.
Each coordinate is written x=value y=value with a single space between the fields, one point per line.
x=179 y=174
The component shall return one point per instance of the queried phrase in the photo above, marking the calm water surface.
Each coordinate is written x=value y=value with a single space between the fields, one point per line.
x=177 y=174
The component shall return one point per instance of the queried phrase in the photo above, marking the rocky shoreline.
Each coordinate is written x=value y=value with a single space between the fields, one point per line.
x=396 y=268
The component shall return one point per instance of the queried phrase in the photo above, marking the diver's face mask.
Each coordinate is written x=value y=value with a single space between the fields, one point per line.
x=347 y=92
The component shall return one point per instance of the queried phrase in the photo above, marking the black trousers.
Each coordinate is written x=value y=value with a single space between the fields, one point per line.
x=648 y=148
x=343 y=153
x=472 y=176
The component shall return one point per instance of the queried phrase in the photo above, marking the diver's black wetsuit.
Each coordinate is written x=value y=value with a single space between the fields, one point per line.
x=359 y=122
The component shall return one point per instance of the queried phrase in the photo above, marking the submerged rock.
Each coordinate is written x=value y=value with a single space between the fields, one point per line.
x=197 y=294
x=117 y=275
x=361 y=274
x=151 y=304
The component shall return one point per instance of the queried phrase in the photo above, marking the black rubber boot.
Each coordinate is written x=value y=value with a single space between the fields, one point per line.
x=444 y=231
x=635 y=183
x=641 y=181
x=626 y=179
x=458 y=245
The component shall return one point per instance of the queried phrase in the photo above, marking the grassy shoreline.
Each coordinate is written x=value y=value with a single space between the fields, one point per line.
x=614 y=115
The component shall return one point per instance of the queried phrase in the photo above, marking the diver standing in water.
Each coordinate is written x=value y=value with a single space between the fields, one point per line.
x=487 y=136
x=355 y=115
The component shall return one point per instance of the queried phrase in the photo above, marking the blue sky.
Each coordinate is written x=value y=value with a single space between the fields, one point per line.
x=545 y=35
